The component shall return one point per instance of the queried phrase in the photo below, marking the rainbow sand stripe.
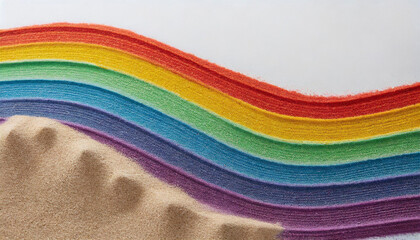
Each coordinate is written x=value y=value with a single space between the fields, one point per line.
x=323 y=167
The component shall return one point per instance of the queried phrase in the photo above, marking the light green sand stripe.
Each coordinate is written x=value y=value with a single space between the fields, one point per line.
x=221 y=129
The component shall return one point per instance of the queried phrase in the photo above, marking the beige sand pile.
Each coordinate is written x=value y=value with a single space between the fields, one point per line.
x=56 y=183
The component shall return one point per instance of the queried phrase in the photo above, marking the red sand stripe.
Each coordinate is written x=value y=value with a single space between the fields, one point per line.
x=260 y=94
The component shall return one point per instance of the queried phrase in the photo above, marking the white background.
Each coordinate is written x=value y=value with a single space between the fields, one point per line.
x=326 y=47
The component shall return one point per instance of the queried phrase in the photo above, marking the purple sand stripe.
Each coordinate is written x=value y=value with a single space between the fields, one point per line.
x=376 y=230
x=307 y=218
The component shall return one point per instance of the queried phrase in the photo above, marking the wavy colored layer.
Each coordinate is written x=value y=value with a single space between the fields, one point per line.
x=297 y=218
x=374 y=230
x=203 y=169
x=304 y=222
x=214 y=126
x=208 y=148
x=323 y=221
x=239 y=86
x=283 y=127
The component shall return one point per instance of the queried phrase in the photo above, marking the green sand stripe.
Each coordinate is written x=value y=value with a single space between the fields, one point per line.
x=221 y=129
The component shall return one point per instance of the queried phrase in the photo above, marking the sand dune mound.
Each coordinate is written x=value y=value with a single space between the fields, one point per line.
x=57 y=183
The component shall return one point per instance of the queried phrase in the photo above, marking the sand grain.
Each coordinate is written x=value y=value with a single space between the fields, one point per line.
x=57 y=183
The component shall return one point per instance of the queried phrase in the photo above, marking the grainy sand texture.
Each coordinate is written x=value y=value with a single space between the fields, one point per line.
x=56 y=183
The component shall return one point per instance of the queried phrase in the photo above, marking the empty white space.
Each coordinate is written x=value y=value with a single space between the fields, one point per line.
x=326 y=47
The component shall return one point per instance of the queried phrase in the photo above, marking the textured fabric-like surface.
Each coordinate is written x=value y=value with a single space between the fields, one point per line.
x=275 y=125
x=322 y=167
x=217 y=153
x=208 y=123
x=250 y=90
